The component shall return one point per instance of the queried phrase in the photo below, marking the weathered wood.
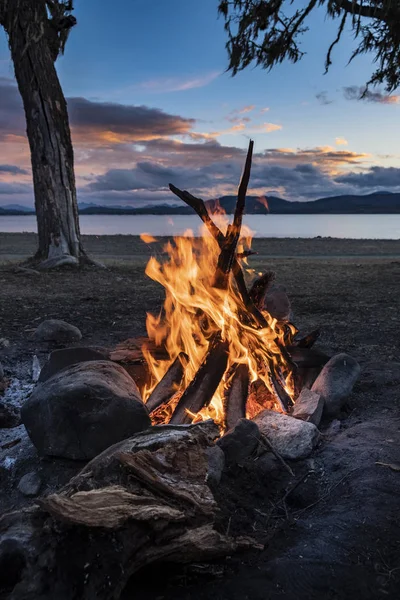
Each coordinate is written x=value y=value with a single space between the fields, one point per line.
x=168 y=384
x=229 y=245
x=260 y=287
x=31 y=40
x=309 y=340
x=141 y=501
x=200 y=391
x=236 y=396
x=305 y=357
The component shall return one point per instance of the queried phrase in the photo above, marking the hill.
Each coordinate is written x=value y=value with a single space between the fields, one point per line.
x=377 y=203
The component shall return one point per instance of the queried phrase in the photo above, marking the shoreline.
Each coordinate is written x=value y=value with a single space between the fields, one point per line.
x=16 y=247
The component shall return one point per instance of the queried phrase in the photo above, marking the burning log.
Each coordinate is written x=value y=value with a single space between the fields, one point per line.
x=260 y=287
x=200 y=391
x=309 y=340
x=236 y=397
x=144 y=500
x=165 y=389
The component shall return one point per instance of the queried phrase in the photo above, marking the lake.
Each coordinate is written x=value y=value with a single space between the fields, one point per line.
x=385 y=227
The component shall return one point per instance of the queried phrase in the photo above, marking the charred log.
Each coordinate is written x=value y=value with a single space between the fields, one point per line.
x=200 y=391
x=236 y=396
x=165 y=389
x=309 y=340
x=260 y=288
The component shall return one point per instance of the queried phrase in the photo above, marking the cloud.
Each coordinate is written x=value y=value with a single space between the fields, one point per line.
x=11 y=189
x=353 y=92
x=322 y=98
x=341 y=141
x=246 y=109
x=267 y=127
x=375 y=177
x=177 y=84
x=13 y=170
x=214 y=134
x=119 y=122
x=264 y=110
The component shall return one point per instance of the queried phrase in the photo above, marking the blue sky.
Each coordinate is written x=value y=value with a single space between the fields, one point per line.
x=150 y=103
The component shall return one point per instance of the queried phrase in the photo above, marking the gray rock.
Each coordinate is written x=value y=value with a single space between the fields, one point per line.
x=309 y=407
x=216 y=464
x=30 y=484
x=84 y=409
x=9 y=416
x=335 y=382
x=55 y=330
x=240 y=442
x=65 y=357
x=291 y=438
x=277 y=303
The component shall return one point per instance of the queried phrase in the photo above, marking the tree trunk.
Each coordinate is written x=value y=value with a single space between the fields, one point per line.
x=29 y=31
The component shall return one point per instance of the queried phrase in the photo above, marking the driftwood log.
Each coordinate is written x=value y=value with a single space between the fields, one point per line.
x=141 y=501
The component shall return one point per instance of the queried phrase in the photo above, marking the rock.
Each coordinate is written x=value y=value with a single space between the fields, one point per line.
x=55 y=330
x=309 y=407
x=335 y=382
x=65 y=357
x=240 y=442
x=84 y=409
x=291 y=438
x=216 y=464
x=277 y=303
x=9 y=416
x=1 y=372
x=35 y=369
x=30 y=484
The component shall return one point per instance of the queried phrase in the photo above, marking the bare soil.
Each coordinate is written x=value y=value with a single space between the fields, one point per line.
x=332 y=531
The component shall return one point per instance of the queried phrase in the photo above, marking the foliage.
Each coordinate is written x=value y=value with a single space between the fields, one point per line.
x=266 y=32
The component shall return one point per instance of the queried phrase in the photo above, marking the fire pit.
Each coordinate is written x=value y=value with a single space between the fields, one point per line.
x=215 y=350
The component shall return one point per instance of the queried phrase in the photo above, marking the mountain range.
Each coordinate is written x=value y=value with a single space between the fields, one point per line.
x=376 y=203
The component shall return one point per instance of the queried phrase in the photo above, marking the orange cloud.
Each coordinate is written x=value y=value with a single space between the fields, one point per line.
x=267 y=127
x=341 y=141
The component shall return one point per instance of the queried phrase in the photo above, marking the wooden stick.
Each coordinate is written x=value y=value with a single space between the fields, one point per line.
x=166 y=388
x=200 y=391
x=265 y=440
x=236 y=396
x=309 y=340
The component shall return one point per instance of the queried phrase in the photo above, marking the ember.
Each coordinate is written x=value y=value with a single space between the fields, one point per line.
x=215 y=331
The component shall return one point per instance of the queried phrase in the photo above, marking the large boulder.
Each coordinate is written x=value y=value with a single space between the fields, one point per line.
x=335 y=382
x=57 y=331
x=66 y=357
x=84 y=409
x=291 y=438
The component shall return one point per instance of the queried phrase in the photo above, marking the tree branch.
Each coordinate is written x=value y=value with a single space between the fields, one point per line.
x=370 y=12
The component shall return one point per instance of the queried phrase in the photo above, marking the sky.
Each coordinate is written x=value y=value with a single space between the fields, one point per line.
x=150 y=102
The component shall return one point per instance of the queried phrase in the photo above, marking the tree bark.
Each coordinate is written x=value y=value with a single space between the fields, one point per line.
x=30 y=36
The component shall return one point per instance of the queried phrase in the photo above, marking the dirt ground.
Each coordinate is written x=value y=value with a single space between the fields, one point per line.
x=338 y=534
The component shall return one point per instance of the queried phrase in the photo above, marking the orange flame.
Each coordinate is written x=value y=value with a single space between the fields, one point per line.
x=263 y=200
x=147 y=238
x=193 y=310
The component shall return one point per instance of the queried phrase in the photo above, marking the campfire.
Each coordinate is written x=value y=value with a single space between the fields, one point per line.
x=214 y=351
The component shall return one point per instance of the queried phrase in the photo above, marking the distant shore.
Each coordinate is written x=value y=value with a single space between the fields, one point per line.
x=17 y=246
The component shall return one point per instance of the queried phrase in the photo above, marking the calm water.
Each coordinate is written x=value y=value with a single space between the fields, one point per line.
x=295 y=226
